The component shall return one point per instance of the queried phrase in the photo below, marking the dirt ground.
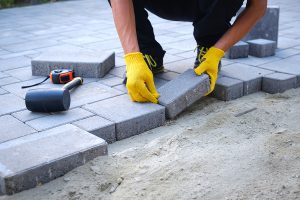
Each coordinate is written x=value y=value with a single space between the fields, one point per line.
x=244 y=149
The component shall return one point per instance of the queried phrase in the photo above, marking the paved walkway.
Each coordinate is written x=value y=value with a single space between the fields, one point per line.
x=29 y=31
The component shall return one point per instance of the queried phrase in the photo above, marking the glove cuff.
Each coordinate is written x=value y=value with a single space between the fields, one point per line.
x=133 y=59
x=216 y=52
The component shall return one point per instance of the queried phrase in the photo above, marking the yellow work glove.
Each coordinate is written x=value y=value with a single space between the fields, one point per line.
x=209 y=64
x=140 y=82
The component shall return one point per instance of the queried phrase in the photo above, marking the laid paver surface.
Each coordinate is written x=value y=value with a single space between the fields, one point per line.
x=27 y=33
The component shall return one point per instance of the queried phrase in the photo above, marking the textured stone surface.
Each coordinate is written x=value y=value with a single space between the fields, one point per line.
x=10 y=103
x=228 y=89
x=11 y=128
x=131 y=118
x=239 y=50
x=278 y=82
x=98 y=126
x=57 y=119
x=183 y=91
x=26 y=115
x=267 y=27
x=261 y=48
x=92 y=92
x=41 y=157
x=289 y=66
x=251 y=76
x=85 y=63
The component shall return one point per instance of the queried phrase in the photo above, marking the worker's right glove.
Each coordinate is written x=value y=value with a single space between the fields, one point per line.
x=140 y=82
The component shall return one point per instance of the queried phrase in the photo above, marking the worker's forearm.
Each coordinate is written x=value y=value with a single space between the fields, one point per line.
x=124 y=18
x=242 y=25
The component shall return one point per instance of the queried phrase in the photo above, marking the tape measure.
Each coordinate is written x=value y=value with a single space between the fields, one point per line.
x=57 y=76
x=61 y=76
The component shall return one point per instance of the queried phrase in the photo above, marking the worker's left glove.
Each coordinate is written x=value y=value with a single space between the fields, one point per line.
x=209 y=64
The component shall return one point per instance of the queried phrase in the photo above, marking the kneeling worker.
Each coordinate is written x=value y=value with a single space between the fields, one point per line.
x=212 y=31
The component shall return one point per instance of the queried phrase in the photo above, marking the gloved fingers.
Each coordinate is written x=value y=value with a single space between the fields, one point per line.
x=200 y=69
x=136 y=97
x=151 y=86
x=144 y=92
x=213 y=79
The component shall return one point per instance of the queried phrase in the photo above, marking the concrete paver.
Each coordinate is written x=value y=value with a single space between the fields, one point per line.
x=44 y=156
x=130 y=118
x=183 y=91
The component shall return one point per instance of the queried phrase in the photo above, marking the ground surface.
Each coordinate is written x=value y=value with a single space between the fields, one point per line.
x=207 y=153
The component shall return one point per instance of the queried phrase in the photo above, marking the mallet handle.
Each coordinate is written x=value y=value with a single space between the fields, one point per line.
x=75 y=82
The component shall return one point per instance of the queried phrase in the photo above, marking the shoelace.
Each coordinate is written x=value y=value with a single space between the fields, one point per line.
x=202 y=52
x=151 y=61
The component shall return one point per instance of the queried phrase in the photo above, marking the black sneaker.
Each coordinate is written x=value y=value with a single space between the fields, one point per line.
x=155 y=65
x=201 y=51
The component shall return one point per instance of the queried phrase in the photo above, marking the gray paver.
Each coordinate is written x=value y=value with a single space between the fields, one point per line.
x=3 y=75
x=98 y=126
x=22 y=74
x=11 y=128
x=159 y=82
x=90 y=93
x=13 y=63
x=169 y=75
x=289 y=65
x=267 y=27
x=119 y=71
x=278 y=82
x=85 y=63
x=131 y=118
x=41 y=157
x=228 y=89
x=10 y=103
x=121 y=87
x=251 y=76
x=183 y=91
x=180 y=66
x=113 y=81
x=30 y=45
x=3 y=91
x=261 y=48
x=26 y=115
x=239 y=50
x=8 y=80
x=58 y=119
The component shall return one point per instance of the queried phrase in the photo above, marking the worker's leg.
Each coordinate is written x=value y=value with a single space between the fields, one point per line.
x=146 y=39
x=214 y=20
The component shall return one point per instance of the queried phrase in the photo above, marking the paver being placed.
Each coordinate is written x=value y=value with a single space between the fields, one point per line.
x=41 y=157
x=278 y=82
x=10 y=103
x=131 y=118
x=183 y=91
x=11 y=128
x=261 y=48
x=57 y=119
x=239 y=50
x=228 y=89
x=98 y=126
x=85 y=63
x=267 y=27
x=251 y=76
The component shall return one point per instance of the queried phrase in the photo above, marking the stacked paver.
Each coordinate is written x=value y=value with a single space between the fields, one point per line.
x=47 y=145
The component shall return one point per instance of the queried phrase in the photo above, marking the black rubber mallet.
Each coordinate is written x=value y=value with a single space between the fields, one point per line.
x=52 y=99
